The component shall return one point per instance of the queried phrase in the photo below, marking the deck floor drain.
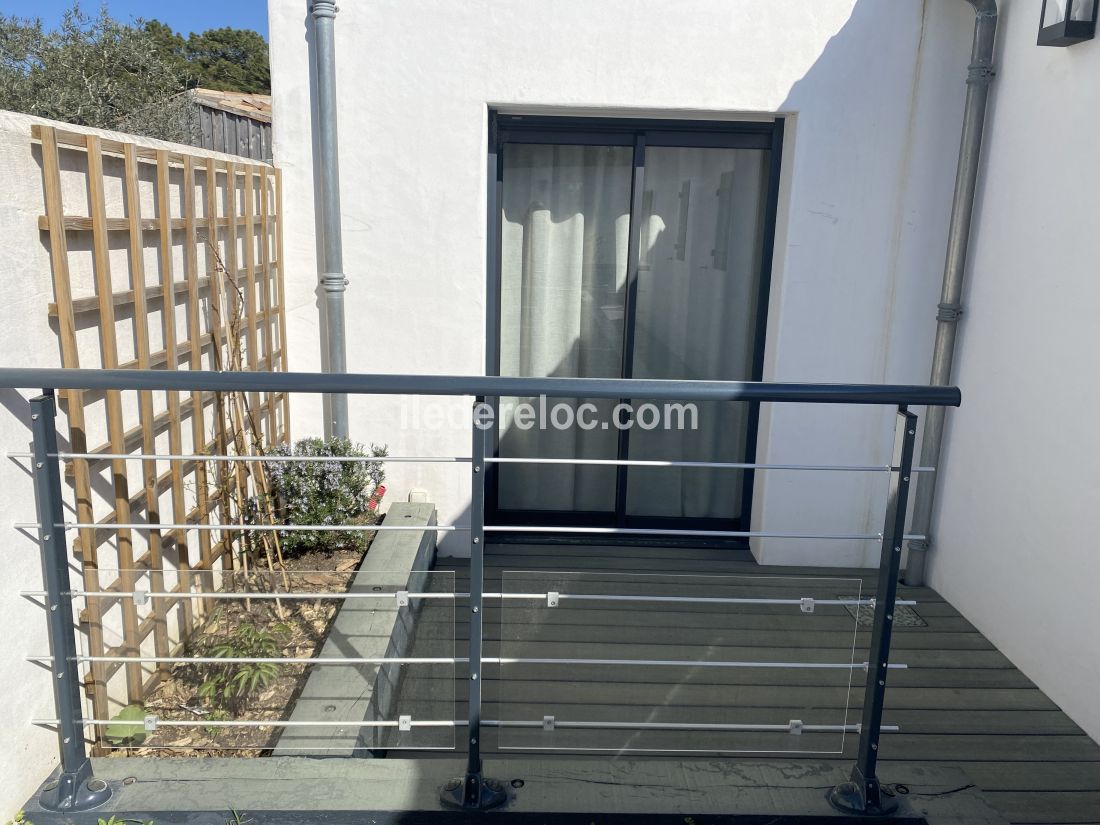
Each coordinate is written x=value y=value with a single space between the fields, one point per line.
x=904 y=615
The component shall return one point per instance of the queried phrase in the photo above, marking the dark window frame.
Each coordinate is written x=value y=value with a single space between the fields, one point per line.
x=636 y=133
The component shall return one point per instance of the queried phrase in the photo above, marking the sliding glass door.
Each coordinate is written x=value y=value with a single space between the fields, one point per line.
x=698 y=290
x=635 y=250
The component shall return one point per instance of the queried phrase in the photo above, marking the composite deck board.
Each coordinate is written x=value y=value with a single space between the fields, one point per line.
x=677 y=620
x=627 y=694
x=994 y=683
x=1048 y=807
x=959 y=703
x=810 y=638
x=609 y=567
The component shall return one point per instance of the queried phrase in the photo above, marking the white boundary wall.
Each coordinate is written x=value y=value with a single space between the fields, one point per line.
x=28 y=340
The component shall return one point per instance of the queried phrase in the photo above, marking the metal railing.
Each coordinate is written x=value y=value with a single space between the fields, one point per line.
x=77 y=789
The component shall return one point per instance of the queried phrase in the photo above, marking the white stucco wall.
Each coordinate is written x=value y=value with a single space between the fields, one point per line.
x=873 y=95
x=1015 y=535
x=27 y=339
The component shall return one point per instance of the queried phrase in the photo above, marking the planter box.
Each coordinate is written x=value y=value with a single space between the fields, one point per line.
x=366 y=628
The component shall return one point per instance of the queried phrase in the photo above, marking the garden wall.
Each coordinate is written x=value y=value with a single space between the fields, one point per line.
x=86 y=260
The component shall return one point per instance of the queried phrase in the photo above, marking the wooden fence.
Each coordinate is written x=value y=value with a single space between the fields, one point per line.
x=155 y=254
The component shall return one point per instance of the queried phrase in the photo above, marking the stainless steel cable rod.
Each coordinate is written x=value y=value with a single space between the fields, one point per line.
x=456 y=723
x=269 y=458
x=689 y=663
x=696 y=726
x=709 y=465
x=641 y=531
x=376 y=660
x=290 y=596
x=596 y=462
x=292 y=528
x=115 y=594
x=257 y=723
x=711 y=599
x=273 y=660
x=450 y=528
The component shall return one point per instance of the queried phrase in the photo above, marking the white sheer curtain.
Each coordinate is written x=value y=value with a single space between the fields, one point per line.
x=696 y=318
x=564 y=243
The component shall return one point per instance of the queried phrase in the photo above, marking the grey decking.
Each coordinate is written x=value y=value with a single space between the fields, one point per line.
x=960 y=703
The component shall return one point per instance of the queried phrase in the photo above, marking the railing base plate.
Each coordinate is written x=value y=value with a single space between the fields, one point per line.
x=78 y=791
x=849 y=798
x=489 y=794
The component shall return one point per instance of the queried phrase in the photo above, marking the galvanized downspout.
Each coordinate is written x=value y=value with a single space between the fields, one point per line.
x=950 y=308
x=332 y=278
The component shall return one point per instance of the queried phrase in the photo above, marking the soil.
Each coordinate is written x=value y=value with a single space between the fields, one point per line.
x=301 y=630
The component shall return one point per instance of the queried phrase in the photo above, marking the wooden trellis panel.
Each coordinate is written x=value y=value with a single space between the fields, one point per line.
x=179 y=217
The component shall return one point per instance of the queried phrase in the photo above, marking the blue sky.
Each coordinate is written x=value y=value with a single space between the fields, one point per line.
x=185 y=16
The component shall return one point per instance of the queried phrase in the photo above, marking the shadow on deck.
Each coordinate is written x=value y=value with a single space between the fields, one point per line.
x=960 y=703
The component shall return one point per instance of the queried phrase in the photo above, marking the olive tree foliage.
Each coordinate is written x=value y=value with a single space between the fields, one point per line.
x=231 y=60
x=94 y=71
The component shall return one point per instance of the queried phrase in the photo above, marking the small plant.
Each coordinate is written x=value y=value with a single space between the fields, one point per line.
x=123 y=731
x=326 y=493
x=216 y=716
x=20 y=818
x=114 y=820
x=231 y=683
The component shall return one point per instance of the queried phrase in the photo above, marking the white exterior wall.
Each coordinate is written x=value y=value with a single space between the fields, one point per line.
x=872 y=91
x=1015 y=535
x=28 y=339
x=868 y=167
x=873 y=95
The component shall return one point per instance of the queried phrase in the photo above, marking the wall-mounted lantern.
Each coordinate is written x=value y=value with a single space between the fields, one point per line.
x=1065 y=22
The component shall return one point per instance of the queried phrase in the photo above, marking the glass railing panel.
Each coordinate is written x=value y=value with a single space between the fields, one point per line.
x=664 y=663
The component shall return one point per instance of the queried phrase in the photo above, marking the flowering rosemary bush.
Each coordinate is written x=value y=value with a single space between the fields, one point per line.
x=326 y=492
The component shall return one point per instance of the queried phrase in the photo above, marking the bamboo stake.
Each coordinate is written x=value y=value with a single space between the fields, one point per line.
x=242 y=412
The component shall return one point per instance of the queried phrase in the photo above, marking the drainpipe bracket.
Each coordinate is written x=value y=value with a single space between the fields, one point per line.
x=980 y=74
x=950 y=313
x=334 y=281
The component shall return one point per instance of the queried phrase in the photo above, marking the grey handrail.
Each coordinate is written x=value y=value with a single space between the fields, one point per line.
x=479 y=385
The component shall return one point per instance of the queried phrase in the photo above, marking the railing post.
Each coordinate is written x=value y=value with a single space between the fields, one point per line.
x=474 y=791
x=74 y=789
x=862 y=794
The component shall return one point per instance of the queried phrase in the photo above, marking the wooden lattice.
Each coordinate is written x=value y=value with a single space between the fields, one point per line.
x=208 y=245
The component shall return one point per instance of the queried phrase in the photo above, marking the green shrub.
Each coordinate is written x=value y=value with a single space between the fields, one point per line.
x=326 y=492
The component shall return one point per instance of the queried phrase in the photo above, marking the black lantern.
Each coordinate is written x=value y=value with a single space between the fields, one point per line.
x=1065 y=22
